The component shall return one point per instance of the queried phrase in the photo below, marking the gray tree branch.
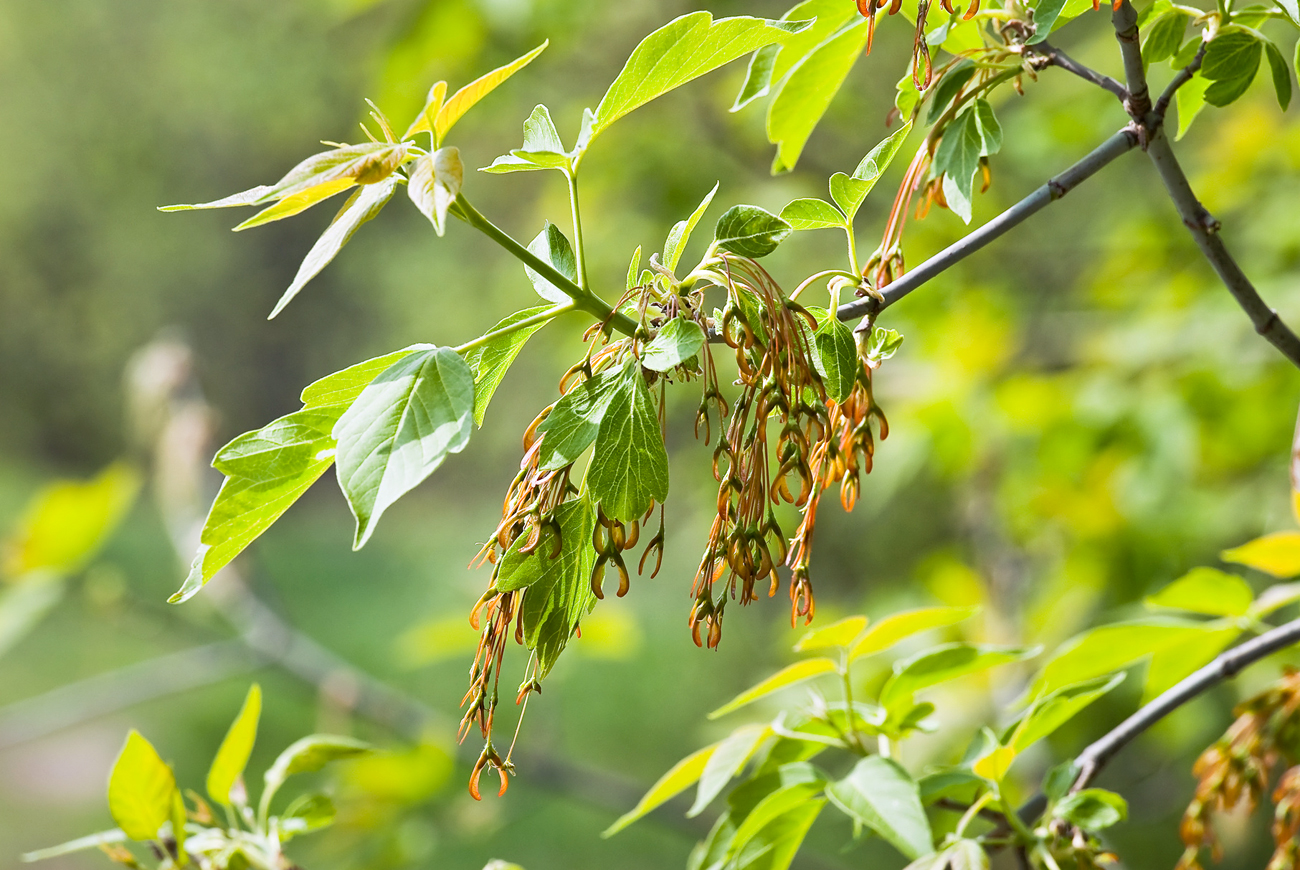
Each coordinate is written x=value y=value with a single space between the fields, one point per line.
x=1053 y=56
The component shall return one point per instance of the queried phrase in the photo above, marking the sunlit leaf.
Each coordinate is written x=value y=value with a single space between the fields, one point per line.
x=758 y=77
x=400 y=430
x=849 y=192
x=750 y=231
x=898 y=627
x=312 y=753
x=837 y=634
x=94 y=841
x=680 y=234
x=574 y=422
x=465 y=98
x=490 y=361
x=629 y=464
x=1110 y=648
x=1277 y=554
x=299 y=202
x=1274 y=598
x=941 y=664
x=784 y=678
x=678 y=340
x=423 y=122
x=879 y=794
x=1189 y=100
x=1179 y=659
x=232 y=757
x=542 y=148
x=1208 y=591
x=141 y=788
x=343 y=387
x=361 y=207
x=434 y=184
x=1052 y=711
x=995 y=765
x=679 y=777
x=771 y=834
x=725 y=762
x=552 y=246
x=812 y=214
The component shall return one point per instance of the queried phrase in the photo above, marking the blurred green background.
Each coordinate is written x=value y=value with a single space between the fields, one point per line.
x=1079 y=414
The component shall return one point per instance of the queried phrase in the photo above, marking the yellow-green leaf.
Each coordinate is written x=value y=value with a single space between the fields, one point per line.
x=1208 y=591
x=680 y=777
x=900 y=626
x=141 y=789
x=423 y=122
x=795 y=673
x=298 y=202
x=841 y=634
x=461 y=102
x=68 y=521
x=1277 y=554
x=231 y=759
x=995 y=765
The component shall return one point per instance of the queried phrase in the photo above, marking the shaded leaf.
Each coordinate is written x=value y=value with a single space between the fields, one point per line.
x=1208 y=591
x=680 y=234
x=491 y=360
x=464 y=99
x=898 y=627
x=726 y=761
x=1164 y=37
x=1231 y=62
x=629 y=464
x=1092 y=809
x=879 y=794
x=574 y=422
x=311 y=753
x=1274 y=598
x=308 y=812
x=232 y=756
x=1281 y=75
x=787 y=676
x=678 y=340
x=141 y=788
x=559 y=589
x=837 y=357
x=552 y=246
x=750 y=231
x=1046 y=13
x=400 y=429
x=1052 y=711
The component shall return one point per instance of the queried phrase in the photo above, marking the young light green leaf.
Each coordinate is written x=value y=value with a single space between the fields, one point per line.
x=725 y=762
x=465 y=98
x=629 y=465
x=1164 y=37
x=1110 y=648
x=1275 y=598
x=679 y=777
x=140 y=789
x=1231 y=62
x=804 y=94
x=343 y=387
x=361 y=207
x=784 y=678
x=1281 y=75
x=434 y=184
x=680 y=51
x=1046 y=13
x=266 y=471
x=423 y=122
x=1092 y=809
x=574 y=422
x=308 y=812
x=837 y=358
x=542 y=147
x=400 y=429
x=633 y=269
x=837 y=634
x=900 y=626
x=232 y=757
x=773 y=830
x=67 y=522
x=681 y=232
x=312 y=753
x=879 y=794
x=1292 y=10
x=1052 y=711
x=750 y=231
x=490 y=360
x=1190 y=100
x=849 y=192
x=941 y=664
x=678 y=340
x=1277 y=554
x=1208 y=591
x=24 y=605
x=758 y=77
x=94 y=841
x=1178 y=660
x=882 y=344
x=552 y=246
x=812 y=214
x=299 y=202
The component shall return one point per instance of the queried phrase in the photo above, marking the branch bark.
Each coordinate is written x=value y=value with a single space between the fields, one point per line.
x=1053 y=56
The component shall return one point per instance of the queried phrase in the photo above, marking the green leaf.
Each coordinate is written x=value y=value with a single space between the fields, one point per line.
x=679 y=777
x=1092 y=809
x=574 y=422
x=678 y=340
x=140 y=789
x=266 y=471
x=784 y=678
x=750 y=231
x=400 y=429
x=882 y=344
x=1189 y=100
x=633 y=267
x=1046 y=13
x=681 y=232
x=680 y=51
x=1208 y=591
x=67 y=522
x=773 y=831
x=94 y=841
x=552 y=246
x=1110 y=648
x=849 y=192
x=311 y=753
x=898 y=627
x=726 y=761
x=1052 y=711
x=837 y=358
x=491 y=360
x=1164 y=37
x=629 y=465
x=1231 y=62
x=879 y=794
x=434 y=184
x=424 y=121
x=838 y=634
x=1057 y=782
x=1277 y=554
x=812 y=214
x=949 y=783
x=1275 y=598
x=232 y=757
x=559 y=590
x=24 y=605
x=1292 y=10
x=949 y=85
x=465 y=98
x=1281 y=75
x=361 y=207
x=973 y=134
x=803 y=96
x=941 y=664
x=343 y=387
x=542 y=147
x=1178 y=660
x=308 y=812
x=298 y=203
x=995 y=765
x=758 y=77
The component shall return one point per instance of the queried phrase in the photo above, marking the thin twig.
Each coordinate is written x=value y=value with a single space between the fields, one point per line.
x=1054 y=189
x=1184 y=76
x=1053 y=56
x=1124 y=19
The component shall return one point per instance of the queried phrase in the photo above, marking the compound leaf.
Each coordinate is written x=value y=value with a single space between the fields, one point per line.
x=491 y=360
x=629 y=465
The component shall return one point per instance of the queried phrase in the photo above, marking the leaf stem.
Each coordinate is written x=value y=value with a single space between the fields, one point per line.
x=539 y=317
x=584 y=300
x=972 y=812
x=577 y=230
